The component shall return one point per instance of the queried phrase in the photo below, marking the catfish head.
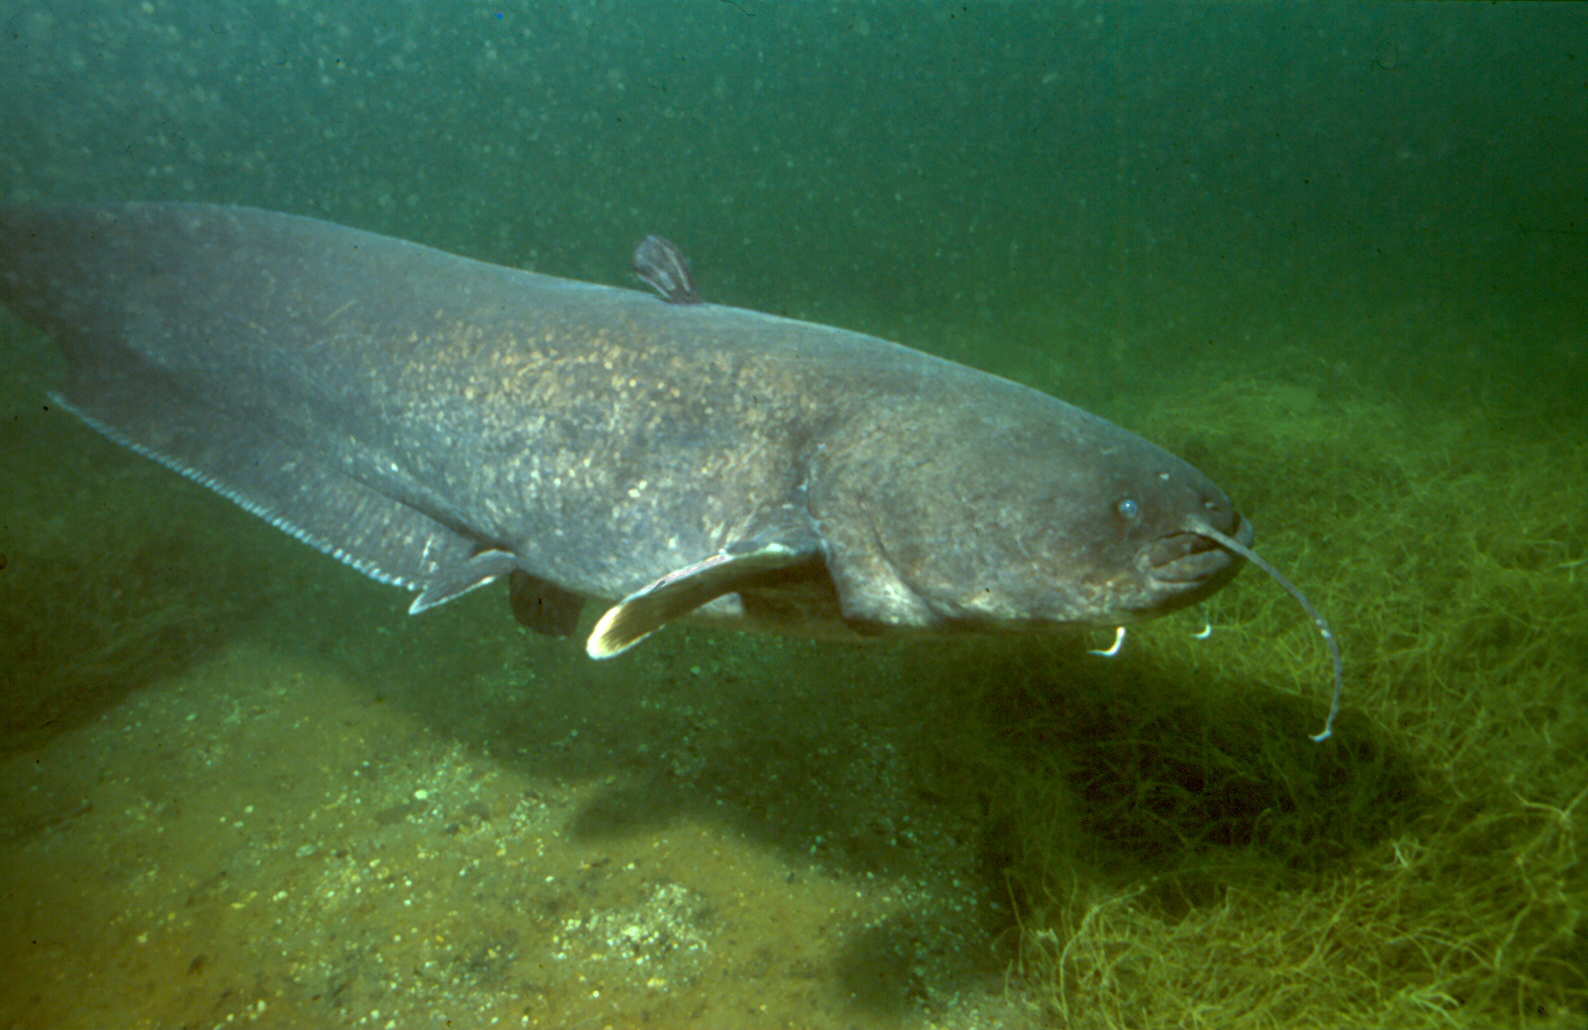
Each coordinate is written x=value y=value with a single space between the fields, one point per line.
x=1025 y=513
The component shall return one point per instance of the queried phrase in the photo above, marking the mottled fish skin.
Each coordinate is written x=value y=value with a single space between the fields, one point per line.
x=442 y=408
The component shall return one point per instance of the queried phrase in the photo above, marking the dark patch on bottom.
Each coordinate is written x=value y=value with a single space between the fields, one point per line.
x=543 y=606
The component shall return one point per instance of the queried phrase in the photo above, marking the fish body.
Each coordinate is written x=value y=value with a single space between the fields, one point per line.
x=438 y=423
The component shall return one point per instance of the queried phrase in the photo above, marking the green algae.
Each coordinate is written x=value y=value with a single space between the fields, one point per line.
x=1181 y=855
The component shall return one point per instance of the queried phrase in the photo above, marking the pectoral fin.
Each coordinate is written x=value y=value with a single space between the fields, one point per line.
x=679 y=593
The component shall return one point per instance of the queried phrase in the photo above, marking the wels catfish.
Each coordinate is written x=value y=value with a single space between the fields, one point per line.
x=440 y=423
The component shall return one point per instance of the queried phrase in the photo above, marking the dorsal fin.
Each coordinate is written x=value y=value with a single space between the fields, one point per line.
x=662 y=267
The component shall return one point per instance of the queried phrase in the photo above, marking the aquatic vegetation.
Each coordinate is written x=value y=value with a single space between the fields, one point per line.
x=1180 y=854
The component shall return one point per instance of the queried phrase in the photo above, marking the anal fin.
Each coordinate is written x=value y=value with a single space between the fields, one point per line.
x=147 y=410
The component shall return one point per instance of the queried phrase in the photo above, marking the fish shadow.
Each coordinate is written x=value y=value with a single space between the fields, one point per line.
x=80 y=630
x=1160 y=765
x=1180 y=771
x=1013 y=764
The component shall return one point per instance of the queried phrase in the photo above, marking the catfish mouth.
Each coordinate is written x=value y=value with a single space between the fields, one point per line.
x=1194 y=560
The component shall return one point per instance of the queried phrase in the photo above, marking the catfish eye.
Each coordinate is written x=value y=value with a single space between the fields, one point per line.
x=1127 y=508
